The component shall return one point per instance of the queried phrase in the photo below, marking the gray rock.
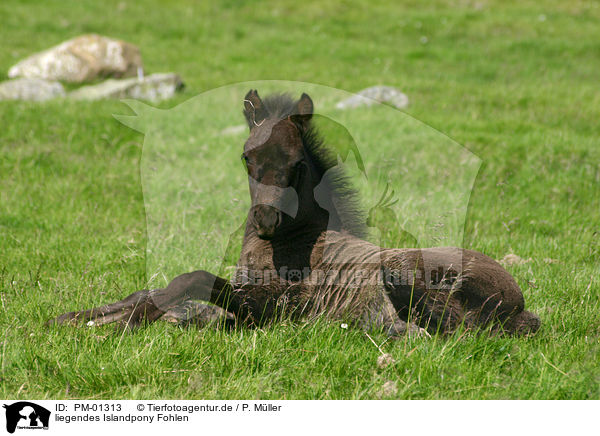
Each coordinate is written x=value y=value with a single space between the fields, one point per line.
x=81 y=59
x=385 y=360
x=389 y=388
x=30 y=89
x=154 y=88
x=381 y=94
x=512 y=259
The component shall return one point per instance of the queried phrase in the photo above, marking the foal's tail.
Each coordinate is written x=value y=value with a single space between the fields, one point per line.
x=523 y=323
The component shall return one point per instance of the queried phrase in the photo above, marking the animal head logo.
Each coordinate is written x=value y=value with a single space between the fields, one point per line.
x=195 y=189
x=25 y=414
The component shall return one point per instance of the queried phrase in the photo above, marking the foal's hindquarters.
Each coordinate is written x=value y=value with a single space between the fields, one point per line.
x=447 y=287
x=437 y=289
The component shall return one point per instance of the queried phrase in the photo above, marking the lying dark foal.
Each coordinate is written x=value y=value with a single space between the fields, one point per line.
x=303 y=254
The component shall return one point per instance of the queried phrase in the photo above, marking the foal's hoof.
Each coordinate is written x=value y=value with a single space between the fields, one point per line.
x=403 y=329
x=132 y=310
x=198 y=314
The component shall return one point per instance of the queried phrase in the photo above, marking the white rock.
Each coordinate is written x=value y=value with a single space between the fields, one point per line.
x=81 y=59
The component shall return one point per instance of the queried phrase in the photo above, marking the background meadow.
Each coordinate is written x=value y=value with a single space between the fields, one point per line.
x=515 y=83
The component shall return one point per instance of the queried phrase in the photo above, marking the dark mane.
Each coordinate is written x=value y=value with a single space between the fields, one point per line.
x=349 y=215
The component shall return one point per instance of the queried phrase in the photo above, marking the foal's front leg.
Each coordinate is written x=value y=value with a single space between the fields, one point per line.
x=151 y=305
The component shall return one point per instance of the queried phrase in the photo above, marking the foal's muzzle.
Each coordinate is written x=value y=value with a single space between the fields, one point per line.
x=266 y=219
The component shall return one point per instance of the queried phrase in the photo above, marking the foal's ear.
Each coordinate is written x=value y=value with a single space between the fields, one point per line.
x=254 y=109
x=303 y=111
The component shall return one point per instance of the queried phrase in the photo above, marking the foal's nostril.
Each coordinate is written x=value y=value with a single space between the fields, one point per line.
x=266 y=220
x=277 y=218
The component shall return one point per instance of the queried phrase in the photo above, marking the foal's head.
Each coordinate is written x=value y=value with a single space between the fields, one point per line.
x=280 y=172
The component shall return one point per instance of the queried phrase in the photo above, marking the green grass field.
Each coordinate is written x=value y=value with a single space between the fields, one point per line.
x=516 y=83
